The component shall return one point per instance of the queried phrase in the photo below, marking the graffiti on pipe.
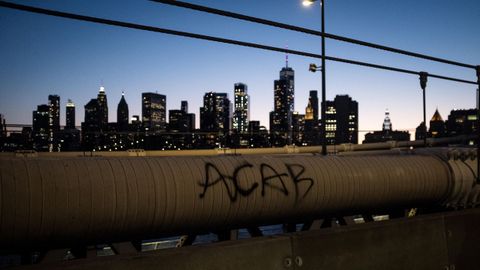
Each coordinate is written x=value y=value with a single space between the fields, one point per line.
x=271 y=180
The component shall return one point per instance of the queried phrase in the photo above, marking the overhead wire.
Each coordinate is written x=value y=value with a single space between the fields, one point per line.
x=98 y=20
x=309 y=31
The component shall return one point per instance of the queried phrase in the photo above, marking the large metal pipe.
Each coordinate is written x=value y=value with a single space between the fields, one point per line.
x=53 y=202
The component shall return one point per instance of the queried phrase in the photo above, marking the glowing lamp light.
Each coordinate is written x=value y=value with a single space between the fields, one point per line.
x=307 y=3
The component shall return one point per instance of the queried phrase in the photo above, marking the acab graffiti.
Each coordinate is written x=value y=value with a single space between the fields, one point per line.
x=271 y=179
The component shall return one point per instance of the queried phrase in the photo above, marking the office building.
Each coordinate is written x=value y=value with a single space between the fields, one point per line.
x=154 y=114
x=241 y=114
x=341 y=123
x=215 y=113
x=41 y=127
x=281 y=123
x=70 y=115
x=53 y=122
x=437 y=126
x=122 y=114
x=462 y=122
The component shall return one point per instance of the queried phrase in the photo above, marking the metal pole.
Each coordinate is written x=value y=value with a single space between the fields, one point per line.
x=478 y=125
x=324 y=88
x=423 y=85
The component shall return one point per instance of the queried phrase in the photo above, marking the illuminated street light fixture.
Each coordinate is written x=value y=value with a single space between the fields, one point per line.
x=307 y=3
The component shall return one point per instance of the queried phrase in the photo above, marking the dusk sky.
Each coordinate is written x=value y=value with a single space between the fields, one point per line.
x=42 y=55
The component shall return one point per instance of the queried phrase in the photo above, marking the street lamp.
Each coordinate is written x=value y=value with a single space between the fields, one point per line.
x=423 y=85
x=324 y=87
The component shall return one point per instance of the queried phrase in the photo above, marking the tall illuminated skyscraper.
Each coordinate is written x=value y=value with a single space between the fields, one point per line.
x=154 y=115
x=40 y=127
x=241 y=115
x=53 y=121
x=281 y=123
x=102 y=109
x=70 y=115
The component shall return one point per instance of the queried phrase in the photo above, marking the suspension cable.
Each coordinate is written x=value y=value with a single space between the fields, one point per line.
x=308 y=31
x=211 y=38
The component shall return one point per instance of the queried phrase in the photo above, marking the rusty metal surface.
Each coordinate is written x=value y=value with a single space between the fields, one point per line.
x=51 y=202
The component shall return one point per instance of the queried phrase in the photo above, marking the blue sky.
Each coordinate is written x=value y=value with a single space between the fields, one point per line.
x=43 y=55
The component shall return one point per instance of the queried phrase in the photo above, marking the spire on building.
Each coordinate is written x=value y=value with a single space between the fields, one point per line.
x=387 y=125
x=286 y=57
x=102 y=89
x=436 y=116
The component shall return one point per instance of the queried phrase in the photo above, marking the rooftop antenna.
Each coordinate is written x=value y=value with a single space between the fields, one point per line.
x=286 y=57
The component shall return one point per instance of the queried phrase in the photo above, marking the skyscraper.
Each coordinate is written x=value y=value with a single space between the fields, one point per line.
x=3 y=128
x=341 y=123
x=102 y=109
x=40 y=127
x=241 y=115
x=91 y=125
x=437 y=126
x=311 y=112
x=462 y=122
x=122 y=114
x=215 y=113
x=154 y=111
x=70 y=115
x=53 y=121
x=283 y=107
x=312 y=132
x=184 y=106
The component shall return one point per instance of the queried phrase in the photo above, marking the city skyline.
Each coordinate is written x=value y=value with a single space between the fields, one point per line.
x=46 y=50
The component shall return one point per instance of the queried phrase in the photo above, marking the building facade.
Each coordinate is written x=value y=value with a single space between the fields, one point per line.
x=102 y=109
x=462 y=122
x=281 y=122
x=341 y=123
x=122 y=114
x=70 y=115
x=387 y=133
x=154 y=115
x=40 y=128
x=215 y=113
x=53 y=122
x=241 y=114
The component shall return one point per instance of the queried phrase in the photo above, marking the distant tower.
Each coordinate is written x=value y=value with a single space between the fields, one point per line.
x=341 y=123
x=184 y=106
x=387 y=125
x=215 y=113
x=102 y=109
x=91 y=125
x=40 y=127
x=241 y=115
x=281 y=122
x=70 y=113
x=53 y=121
x=311 y=112
x=122 y=114
x=154 y=114
x=311 y=130
x=437 y=126
x=3 y=128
